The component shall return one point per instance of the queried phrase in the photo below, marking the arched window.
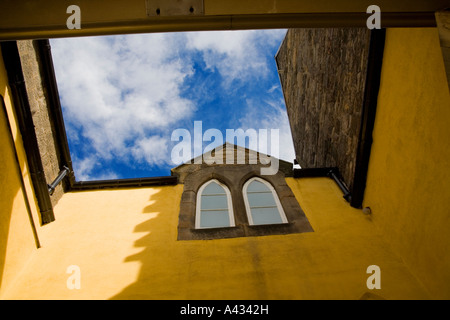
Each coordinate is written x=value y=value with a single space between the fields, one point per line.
x=214 y=206
x=262 y=203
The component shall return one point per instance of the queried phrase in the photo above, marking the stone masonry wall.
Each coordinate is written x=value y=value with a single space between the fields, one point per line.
x=323 y=73
x=29 y=57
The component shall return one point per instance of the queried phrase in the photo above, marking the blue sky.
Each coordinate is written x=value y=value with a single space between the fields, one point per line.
x=123 y=96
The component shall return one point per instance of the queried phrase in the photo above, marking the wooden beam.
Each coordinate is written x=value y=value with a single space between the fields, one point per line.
x=47 y=18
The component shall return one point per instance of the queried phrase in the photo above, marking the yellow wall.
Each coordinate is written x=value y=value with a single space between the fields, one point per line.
x=408 y=185
x=124 y=242
x=17 y=241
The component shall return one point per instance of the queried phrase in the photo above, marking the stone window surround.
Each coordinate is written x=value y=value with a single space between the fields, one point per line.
x=234 y=177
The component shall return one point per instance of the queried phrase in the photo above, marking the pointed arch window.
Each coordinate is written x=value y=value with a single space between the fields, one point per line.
x=214 y=206
x=262 y=203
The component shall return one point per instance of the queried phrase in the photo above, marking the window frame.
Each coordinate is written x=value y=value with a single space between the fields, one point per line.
x=193 y=176
x=274 y=195
x=199 y=205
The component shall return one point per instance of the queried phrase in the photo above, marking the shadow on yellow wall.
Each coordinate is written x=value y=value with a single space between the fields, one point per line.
x=17 y=239
x=9 y=186
x=125 y=245
x=15 y=206
x=329 y=263
x=203 y=269
x=157 y=256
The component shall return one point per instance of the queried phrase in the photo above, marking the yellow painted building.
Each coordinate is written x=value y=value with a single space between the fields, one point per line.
x=122 y=243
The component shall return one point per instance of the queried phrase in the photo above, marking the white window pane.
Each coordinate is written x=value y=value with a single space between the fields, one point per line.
x=214 y=202
x=213 y=188
x=261 y=200
x=256 y=186
x=266 y=215
x=211 y=219
x=214 y=208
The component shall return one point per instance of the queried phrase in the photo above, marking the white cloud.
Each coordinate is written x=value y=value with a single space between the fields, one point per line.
x=123 y=94
x=236 y=55
x=88 y=169
x=273 y=117
x=115 y=90
x=152 y=150
x=273 y=88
